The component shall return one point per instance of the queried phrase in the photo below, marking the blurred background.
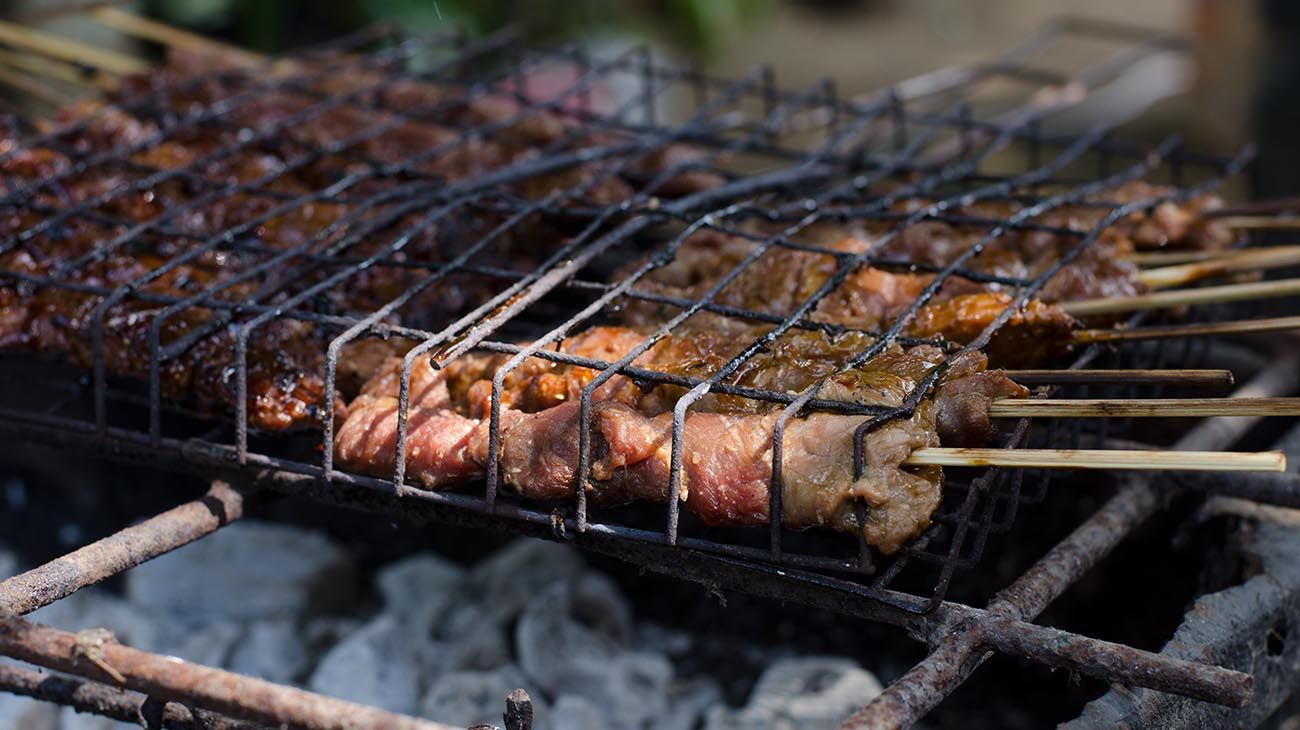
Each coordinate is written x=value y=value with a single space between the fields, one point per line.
x=1245 y=62
x=1244 y=47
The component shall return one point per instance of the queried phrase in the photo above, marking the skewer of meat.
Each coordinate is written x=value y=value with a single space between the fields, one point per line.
x=1097 y=282
x=726 y=439
x=727 y=442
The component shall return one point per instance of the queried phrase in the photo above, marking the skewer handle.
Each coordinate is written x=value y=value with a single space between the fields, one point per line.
x=169 y=35
x=1273 y=461
x=21 y=37
x=1184 y=297
x=1228 y=262
x=1200 y=329
x=1144 y=407
x=1170 y=258
x=1119 y=376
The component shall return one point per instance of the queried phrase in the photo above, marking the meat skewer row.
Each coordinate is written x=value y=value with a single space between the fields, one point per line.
x=727 y=442
x=286 y=358
x=782 y=279
x=727 y=437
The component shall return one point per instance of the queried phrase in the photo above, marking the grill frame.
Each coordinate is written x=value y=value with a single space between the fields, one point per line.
x=913 y=134
x=773 y=571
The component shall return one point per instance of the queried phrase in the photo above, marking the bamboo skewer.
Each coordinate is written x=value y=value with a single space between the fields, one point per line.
x=167 y=35
x=1200 y=329
x=1101 y=459
x=58 y=71
x=53 y=46
x=1267 y=207
x=33 y=87
x=1183 y=297
x=1122 y=376
x=1285 y=221
x=1251 y=259
x=1144 y=407
x=1167 y=258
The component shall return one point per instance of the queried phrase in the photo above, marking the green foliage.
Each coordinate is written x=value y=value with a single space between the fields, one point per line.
x=696 y=25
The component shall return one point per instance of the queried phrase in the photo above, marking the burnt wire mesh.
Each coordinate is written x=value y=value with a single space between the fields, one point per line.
x=424 y=191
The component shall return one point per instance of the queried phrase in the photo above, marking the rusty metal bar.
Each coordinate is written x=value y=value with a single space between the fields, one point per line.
x=1117 y=663
x=960 y=621
x=960 y=644
x=84 y=695
x=721 y=573
x=1244 y=625
x=171 y=679
x=1086 y=655
x=125 y=549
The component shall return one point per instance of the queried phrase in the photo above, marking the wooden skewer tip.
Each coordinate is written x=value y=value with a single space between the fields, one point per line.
x=1266 y=461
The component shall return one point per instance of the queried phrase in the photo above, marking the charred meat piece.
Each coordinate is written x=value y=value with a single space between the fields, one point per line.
x=727 y=441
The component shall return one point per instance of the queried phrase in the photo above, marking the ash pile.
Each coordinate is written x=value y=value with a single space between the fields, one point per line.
x=430 y=637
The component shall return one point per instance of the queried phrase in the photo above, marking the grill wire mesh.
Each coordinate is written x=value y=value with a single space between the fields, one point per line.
x=781 y=162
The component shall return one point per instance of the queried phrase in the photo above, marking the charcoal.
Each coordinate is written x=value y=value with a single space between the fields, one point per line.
x=130 y=623
x=272 y=650
x=248 y=570
x=688 y=701
x=512 y=577
x=419 y=589
x=209 y=644
x=466 y=698
x=555 y=649
x=574 y=712
x=382 y=664
x=70 y=719
x=806 y=693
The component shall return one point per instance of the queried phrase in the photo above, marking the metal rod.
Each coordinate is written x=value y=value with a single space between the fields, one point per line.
x=1282 y=490
x=61 y=577
x=1080 y=653
x=84 y=695
x=169 y=678
x=690 y=563
x=1115 y=663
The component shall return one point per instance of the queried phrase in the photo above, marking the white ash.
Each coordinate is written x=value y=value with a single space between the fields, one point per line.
x=255 y=570
x=435 y=639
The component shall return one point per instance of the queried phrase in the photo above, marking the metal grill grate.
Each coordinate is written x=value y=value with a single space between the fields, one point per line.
x=791 y=160
x=547 y=237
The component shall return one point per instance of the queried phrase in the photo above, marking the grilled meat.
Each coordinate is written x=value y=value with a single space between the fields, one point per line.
x=726 y=440
x=869 y=299
x=782 y=278
x=1100 y=269
x=279 y=144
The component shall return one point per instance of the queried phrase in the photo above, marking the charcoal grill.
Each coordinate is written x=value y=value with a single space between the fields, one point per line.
x=788 y=158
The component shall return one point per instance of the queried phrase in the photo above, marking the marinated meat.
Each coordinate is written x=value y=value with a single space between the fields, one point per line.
x=726 y=440
x=782 y=278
